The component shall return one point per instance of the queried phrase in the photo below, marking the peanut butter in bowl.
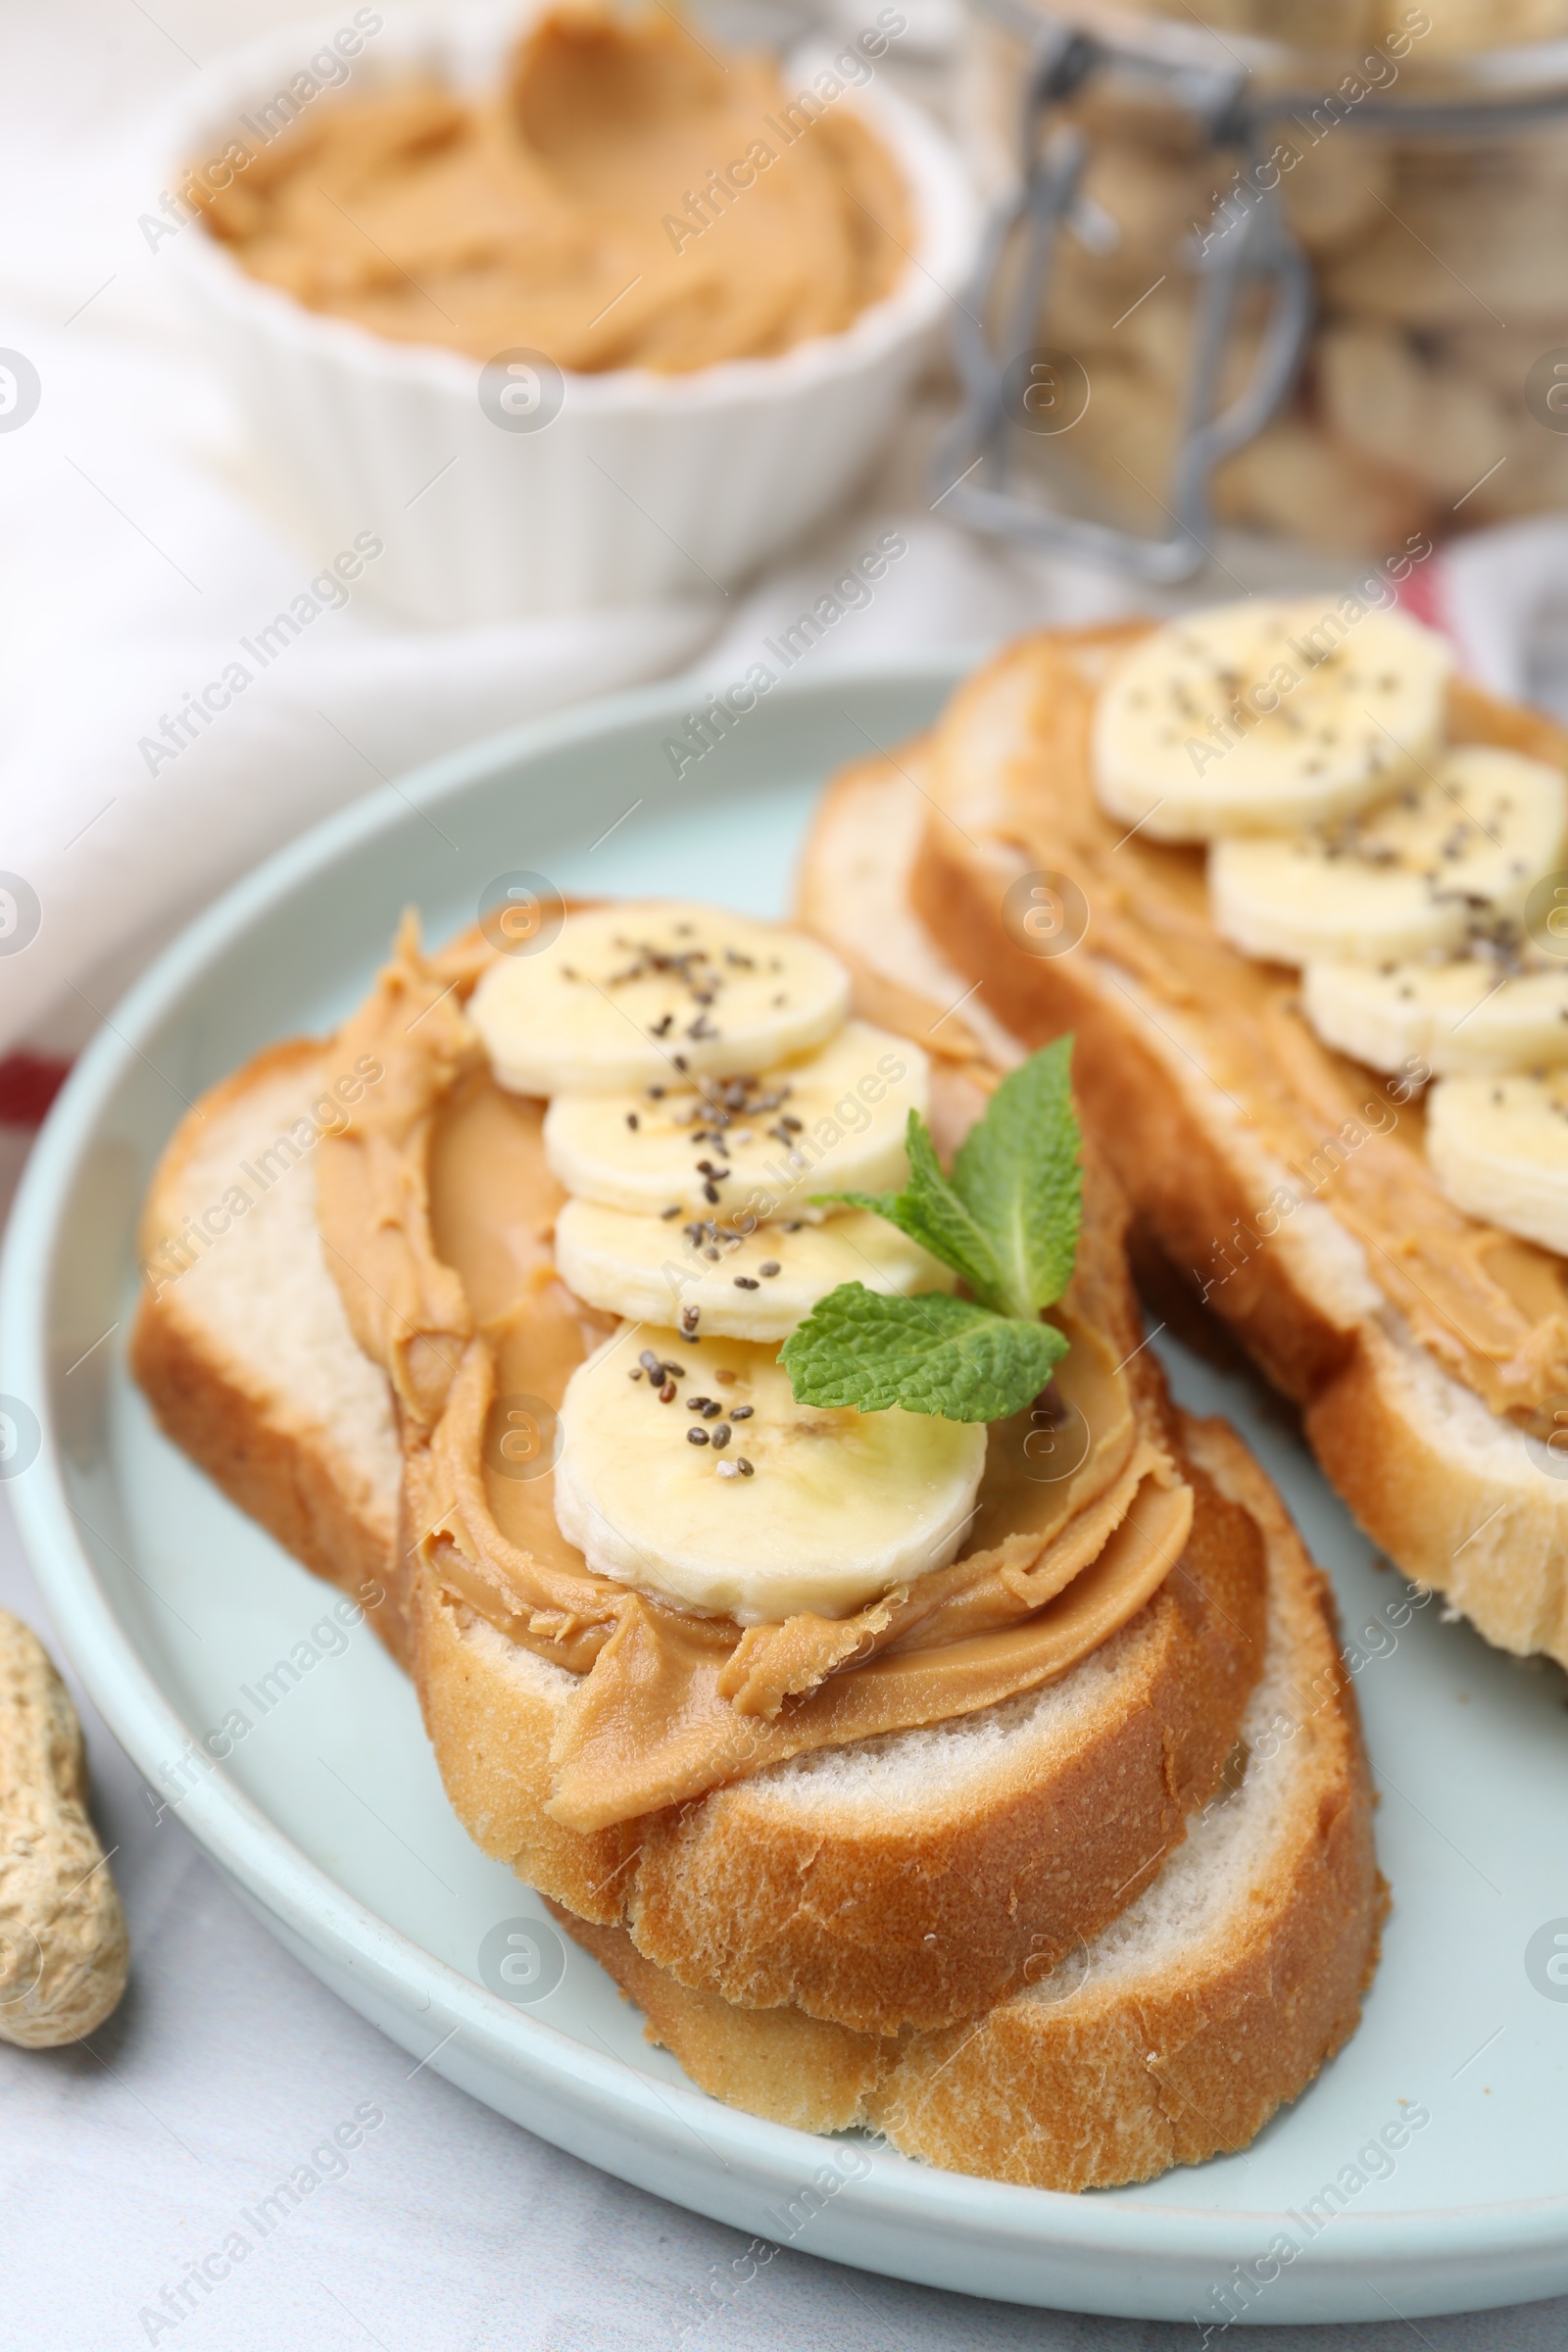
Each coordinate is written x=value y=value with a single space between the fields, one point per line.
x=717 y=277
x=625 y=198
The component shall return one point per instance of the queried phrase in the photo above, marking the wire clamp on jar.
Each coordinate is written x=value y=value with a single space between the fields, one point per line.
x=1236 y=322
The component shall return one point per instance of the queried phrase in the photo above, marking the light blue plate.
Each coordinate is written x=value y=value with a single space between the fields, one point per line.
x=331 y=1820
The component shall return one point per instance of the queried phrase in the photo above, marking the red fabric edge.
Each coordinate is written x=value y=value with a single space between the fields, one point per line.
x=29 y=1084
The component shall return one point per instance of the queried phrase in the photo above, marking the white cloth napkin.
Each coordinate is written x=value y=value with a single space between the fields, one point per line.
x=137 y=558
x=141 y=563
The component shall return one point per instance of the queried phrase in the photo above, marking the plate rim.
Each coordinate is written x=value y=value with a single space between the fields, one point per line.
x=1048 y=2226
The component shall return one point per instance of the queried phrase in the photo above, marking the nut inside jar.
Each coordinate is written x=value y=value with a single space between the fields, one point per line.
x=1432 y=394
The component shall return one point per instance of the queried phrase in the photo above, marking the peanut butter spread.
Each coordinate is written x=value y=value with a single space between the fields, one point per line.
x=436 y=1212
x=626 y=198
x=1493 y=1309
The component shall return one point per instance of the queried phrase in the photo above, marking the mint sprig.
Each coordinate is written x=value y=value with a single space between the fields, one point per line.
x=1006 y=1221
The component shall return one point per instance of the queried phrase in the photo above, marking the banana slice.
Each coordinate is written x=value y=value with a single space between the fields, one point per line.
x=750 y=1285
x=1463 y=1015
x=746 y=1146
x=1498 y=1146
x=732 y=1498
x=1266 y=716
x=635 y=995
x=1395 y=880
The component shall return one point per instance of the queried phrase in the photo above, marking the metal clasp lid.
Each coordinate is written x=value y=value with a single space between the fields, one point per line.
x=998 y=377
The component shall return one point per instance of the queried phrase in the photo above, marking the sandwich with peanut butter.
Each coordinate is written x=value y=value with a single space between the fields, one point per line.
x=733 y=1376
x=1298 y=892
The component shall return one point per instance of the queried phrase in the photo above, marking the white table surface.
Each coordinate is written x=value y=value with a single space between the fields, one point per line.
x=128 y=2157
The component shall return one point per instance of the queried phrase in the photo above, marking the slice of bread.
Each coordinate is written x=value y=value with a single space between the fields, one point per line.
x=907 y=1880
x=1231 y=1972
x=899 y=1887
x=1459 y=1498
x=1177 y=2031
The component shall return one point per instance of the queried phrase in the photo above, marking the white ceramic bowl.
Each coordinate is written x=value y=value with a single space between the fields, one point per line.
x=642 y=484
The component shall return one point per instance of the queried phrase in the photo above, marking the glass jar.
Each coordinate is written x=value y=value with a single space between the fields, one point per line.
x=1311 y=292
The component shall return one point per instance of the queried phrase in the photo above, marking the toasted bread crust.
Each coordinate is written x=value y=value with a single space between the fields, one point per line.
x=1117 y=2081
x=282 y=1472
x=290 y=1485
x=1195 y=2067
x=776 y=2063
x=490 y=1715
x=1495 y=1547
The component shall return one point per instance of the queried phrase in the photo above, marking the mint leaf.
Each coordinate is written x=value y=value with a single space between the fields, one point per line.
x=930 y=1354
x=1007 y=1223
x=1017 y=1177
x=930 y=1212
